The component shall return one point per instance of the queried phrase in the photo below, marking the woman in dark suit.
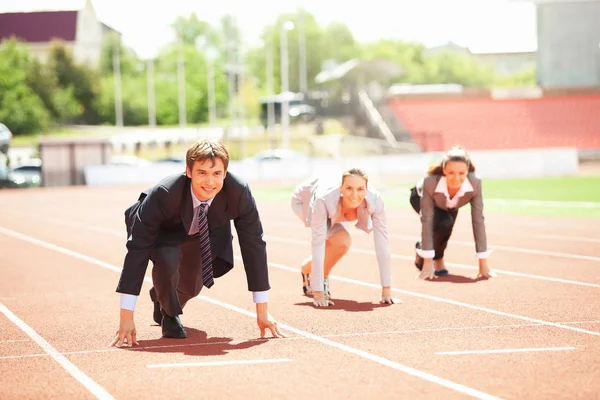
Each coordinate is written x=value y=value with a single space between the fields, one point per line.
x=449 y=185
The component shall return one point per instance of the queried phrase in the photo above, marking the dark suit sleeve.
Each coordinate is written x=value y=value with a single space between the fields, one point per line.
x=252 y=244
x=145 y=225
x=427 y=213
x=477 y=219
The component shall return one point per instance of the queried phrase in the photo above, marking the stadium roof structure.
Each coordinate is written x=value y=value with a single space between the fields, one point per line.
x=356 y=70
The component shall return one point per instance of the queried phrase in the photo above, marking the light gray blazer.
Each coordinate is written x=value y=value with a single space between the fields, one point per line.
x=319 y=207
x=430 y=198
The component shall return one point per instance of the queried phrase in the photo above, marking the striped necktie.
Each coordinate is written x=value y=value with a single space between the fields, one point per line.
x=207 y=270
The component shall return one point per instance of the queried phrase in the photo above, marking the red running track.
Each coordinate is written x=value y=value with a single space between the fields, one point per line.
x=533 y=332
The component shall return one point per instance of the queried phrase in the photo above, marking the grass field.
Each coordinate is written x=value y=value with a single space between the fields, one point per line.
x=565 y=196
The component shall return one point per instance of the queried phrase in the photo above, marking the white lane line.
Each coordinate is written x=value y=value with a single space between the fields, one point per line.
x=371 y=357
x=536 y=236
x=582 y=322
x=234 y=342
x=220 y=363
x=97 y=390
x=515 y=222
x=413 y=238
x=452 y=353
x=546 y=203
x=512 y=249
x=118 y=233
x=102 y=264
x=447 y=301
x=493 y=232
x=450 y=264
x=333 y=335
x=542 y=236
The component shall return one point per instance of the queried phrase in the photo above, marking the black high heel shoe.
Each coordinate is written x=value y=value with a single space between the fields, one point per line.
x=306 y=284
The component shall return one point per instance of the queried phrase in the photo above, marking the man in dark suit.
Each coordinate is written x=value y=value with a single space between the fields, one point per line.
x=183 y=226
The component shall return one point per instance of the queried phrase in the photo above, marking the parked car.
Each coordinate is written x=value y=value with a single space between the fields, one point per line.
x=29 y=175
x=278 y=154
x=5 y=178
x=5 y=138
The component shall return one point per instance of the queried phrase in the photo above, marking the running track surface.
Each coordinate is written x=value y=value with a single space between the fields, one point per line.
x=533 y=332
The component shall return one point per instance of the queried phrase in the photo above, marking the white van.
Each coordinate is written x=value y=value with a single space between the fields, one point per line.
x=5 y=137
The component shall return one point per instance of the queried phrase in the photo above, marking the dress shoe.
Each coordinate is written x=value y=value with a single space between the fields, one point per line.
x=171 y=327
x=418 y=259
x=156 y=315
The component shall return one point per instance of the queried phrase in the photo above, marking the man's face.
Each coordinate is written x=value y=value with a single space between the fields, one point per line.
x=207 y=179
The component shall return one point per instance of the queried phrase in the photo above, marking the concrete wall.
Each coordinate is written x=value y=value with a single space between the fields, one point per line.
x=489 y=164
x=568 y=44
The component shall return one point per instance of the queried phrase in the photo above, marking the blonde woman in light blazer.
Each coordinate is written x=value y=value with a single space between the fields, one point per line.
x=328 y=211
x=448 y=186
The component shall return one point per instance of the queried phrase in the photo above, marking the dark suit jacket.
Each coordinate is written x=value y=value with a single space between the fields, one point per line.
x=430 y=198
x=162 y=217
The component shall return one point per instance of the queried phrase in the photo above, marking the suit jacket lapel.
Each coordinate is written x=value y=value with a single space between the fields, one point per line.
x=440 y=200
x=465 y=199
x=187 y=206
x=217 y=209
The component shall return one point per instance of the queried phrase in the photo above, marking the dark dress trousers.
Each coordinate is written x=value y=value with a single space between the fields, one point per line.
x=157 y=230
x=438 y=220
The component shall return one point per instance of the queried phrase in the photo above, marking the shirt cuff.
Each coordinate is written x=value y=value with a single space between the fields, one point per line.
x=128 y=301
x=484 y=254
x=426 y=253
x=260 y=297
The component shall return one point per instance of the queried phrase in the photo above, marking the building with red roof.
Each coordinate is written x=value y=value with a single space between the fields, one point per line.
x=73 y=22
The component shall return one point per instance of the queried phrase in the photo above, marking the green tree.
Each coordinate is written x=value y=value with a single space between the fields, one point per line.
x=525 y=78
x=21 y=109
x=189 y=29
x=452 y=67
x=82 y=80
x=334 y=42
x=130 y=63
x=60 y=102
x=407 y=55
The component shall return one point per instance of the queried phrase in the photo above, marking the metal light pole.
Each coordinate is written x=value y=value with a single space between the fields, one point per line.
x=240 y=87
x=241 y=101
x=232 y=73
x=117 y=82
x=285 y=105
x=210 y=55
x=270 y=95
x=181 y=82
x=151 y=97
x=302 y=54
x=210 y=86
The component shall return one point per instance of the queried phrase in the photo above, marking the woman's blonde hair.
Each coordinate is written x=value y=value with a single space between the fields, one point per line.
x=456 y=153
x=356 y=172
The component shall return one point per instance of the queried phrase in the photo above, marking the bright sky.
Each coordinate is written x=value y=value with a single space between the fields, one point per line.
x=481 y=25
